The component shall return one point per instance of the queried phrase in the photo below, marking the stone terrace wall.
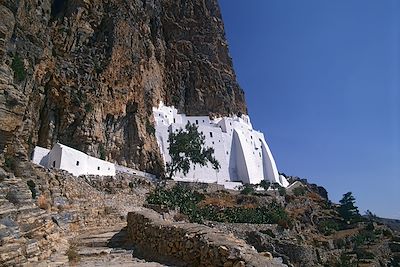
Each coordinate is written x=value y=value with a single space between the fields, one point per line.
x=194 y=244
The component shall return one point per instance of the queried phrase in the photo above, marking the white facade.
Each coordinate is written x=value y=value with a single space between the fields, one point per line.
x=242 y=152
x=72 y=160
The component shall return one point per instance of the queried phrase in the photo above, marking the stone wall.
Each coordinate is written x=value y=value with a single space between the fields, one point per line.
x=191 y=244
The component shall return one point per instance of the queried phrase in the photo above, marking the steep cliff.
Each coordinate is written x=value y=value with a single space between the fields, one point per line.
x=87 y=73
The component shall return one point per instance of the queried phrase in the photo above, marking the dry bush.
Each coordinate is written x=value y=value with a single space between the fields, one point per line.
x=43 y=203
x=72 y=253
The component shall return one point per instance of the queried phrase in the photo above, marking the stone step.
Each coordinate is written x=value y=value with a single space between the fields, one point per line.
x=93 y=251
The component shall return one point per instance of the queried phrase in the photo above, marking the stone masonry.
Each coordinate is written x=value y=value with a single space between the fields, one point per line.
x=192 y=244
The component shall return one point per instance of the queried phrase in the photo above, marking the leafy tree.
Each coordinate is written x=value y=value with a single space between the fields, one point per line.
x=347 y=209
x=186 y=147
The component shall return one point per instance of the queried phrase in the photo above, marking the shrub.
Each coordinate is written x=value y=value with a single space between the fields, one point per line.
x=299 y=191
x=43 y=203
x=364 y=254
x=345 y=261
x=282 y=191
x=18 y=67
x=187 y=201
x=247 y=189
x=328 y=227
x=363 y=237
x=10 y=163
x=88 y=107
x=32 y=186
x=72 y=253
x=12 y=196
x=150 y=128
x=265 y=184
x=102 y=152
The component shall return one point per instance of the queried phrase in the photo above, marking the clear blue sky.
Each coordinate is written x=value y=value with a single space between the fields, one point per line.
x=321 y=79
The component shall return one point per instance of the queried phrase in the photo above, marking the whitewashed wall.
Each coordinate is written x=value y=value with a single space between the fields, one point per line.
x=40 y=156
x=72 y=160
x=242 y=152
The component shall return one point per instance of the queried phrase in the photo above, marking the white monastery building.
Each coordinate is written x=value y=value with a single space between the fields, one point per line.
x=72 y=160
x=242 y=152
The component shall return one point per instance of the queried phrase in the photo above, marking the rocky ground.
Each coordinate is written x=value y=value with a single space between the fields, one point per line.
x=50 y=218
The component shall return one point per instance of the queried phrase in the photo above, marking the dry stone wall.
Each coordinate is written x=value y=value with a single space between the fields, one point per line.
x=192 y=244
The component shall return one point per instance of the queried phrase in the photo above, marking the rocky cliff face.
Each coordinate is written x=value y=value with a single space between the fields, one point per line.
x=87 y=73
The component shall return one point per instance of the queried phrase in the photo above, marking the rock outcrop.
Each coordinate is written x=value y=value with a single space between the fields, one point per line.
x=87 y=73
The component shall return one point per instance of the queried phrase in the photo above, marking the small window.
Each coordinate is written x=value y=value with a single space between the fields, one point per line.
x=251 y=137
x=108 y=168
x=230 y=123
x=174 y=120
x=211 y=135
x=197 y=122
x=98 y=168
x=54 y=164
x=77 y=163
x=227 y=152
x=203 y=120
x=159 y=115
x=213 y=142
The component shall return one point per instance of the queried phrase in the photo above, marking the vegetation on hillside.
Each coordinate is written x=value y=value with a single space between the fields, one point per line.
x=188 y=200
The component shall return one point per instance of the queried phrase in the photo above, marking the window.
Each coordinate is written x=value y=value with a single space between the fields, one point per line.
x=197 y=122
x=213 y=142
x=108 y=168
x=98 y=168
x=54 y=164
x=203 y=120
x=251 y=137
x=211 y=134
x=174 y=120
x=227 y=152
x=77 y=163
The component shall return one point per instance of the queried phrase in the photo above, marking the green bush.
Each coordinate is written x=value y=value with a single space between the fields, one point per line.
x=150 y=128
x=247 y=189
x=282 y=191
x=10 y=163
x=328 y=227
x=32 y=187
x=88 y=107
x=187 y=200
x=364 y=254
x=299 y=191
x=102 y=152
x=364 y=237
x=18 y=67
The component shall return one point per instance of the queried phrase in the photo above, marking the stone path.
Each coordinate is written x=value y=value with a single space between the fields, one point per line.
x=108 y=247
x=100 y=247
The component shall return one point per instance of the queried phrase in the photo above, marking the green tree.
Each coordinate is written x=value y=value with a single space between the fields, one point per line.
x=347 y=209
x=186 y=147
